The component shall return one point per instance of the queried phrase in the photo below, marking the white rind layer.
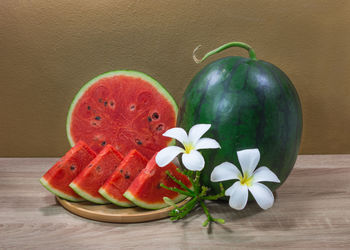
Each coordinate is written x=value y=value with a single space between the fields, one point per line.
x=87 y=196
x=114 y=201
x=143 y=204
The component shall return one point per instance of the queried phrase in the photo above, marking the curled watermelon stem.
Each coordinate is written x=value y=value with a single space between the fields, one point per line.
x=198 y=194
x=223 y=47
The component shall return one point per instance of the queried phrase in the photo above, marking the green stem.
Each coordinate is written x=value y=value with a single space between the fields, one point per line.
x=179 y=182
x=209 y=217
x=188 y=173
x=198 y=194
x=215 y=197
x=223 y=47
x=176 y=190
x=206 y=211
x=196 y=182
x=181 y=212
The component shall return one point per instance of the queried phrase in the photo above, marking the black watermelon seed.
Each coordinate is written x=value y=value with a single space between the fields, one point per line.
x=105 y=103
x=72 y=167
x=149 y=119
x=132 y=107
x=138 y=142
x=98 y=118
x=121 y=171
x=103 y=143
x=127 y=176
x=155 y=116
x=88 y=107
x=112 y=103
x=160 y=127
x=98 y=168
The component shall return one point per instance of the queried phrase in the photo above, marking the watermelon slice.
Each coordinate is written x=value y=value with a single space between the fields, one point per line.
x=126 y=109
x=145 y=191
x=58 y=177
x=87 y=183
x=123 y=176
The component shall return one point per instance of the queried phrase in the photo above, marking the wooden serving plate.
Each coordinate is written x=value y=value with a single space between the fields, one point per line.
x=114 y=213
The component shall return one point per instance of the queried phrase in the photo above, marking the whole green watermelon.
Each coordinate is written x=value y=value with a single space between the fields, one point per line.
x=250 y=104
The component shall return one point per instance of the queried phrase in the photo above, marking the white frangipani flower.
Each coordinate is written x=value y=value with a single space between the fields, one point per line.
x=191 y=158
x=249 y=180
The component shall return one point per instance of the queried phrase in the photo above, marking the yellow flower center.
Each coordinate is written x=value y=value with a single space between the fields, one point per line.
x=188 y=147
x=246 y=179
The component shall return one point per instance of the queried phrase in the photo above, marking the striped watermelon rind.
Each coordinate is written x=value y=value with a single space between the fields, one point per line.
x=250 y=104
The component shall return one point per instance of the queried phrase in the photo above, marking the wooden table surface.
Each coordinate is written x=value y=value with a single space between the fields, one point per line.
x=312 y=210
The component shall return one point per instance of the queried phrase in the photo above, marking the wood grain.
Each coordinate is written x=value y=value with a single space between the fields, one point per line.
x=312 y=210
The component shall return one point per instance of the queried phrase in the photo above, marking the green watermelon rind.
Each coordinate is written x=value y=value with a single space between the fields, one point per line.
x=87 y=196
x=103 y=192
x=131 y=73
x=153 y=206
x=58 y=193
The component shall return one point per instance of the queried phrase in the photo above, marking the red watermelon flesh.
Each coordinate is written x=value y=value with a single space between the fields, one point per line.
x=126 y=109
x=145 y=191
x=114 y=188
x=88 y=182
x=58 y=177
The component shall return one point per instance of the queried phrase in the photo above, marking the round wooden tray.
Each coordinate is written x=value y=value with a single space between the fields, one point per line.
x=113 y=213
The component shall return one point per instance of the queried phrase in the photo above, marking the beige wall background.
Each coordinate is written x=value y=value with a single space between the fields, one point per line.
x=49 y=49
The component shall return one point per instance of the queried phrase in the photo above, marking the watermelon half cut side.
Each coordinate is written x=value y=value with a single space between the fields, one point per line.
x=60 y=175
x=145 y=191
x=114 y=188
x=88 y=182
x=127 y=109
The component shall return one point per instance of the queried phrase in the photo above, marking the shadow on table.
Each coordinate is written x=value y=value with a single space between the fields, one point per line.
x=52 y=209
x=251 y=216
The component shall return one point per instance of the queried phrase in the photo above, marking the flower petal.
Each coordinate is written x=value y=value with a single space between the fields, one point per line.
x=249 y=159
x=262 y=195
x=264 y=174
x=206 y=143
x=177 y=133
x=229 y=191
x=166 y=155
x=193 y=161
x=238 y=196
x=197 y=131
x=225 y=171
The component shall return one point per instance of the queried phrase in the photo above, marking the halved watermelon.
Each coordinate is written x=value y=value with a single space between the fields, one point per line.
x=87 y=183
x=60 y=175
x=114 y=188
x=145 y=191
x=126 y=109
